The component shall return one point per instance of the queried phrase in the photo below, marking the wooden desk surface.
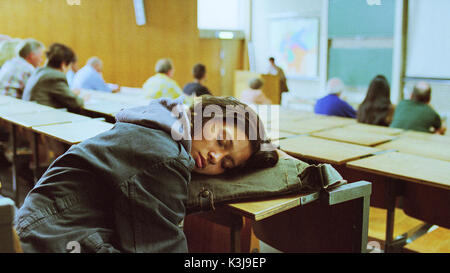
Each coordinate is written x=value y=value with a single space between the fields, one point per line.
x=258 y=210
x=48 y=117
x=374 y=129
x=22 y=107
x=106 y=97
x=310 y=125
x=273 y=135
x=431 y=149
x=271 y=114
x=426 y=136
x=73 y=133
x=7 y=99
x=408 y=167
x=355 y=137
x=109 y=109
x=323 y=150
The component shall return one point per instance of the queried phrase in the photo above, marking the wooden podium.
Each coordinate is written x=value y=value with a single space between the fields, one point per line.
x=271 y=87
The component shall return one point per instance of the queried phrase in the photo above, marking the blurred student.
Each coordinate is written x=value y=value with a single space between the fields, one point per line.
x=377 y=108
x=90 y=77
x=332 y=104
x=48 y=84
x=15 y=73
x=416 y=114
x=196 y=88
x=255 y=95
x=161 y=85
x=276 y=70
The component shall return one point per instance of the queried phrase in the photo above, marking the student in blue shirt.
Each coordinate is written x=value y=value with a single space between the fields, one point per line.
x=332 y=104
x=90 y=77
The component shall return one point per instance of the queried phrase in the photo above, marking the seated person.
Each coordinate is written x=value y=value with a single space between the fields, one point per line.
x=255 y=95
x=196 y=88
x=161 y=85
x=126 y=189
x=416 y=114
x=15 y=73
x=90 y=77
x=331 y=104
x=48 y=84
x=377 y=108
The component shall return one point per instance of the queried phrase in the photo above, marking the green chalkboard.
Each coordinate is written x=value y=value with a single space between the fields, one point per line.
x=357 y=67
x=361 y=18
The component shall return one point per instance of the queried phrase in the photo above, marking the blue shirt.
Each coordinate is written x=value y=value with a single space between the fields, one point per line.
x=332 y=105
x=88 y=78
x=69 y=75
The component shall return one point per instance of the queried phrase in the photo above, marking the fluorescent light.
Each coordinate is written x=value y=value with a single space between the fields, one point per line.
x=225 y=35
x=139 y=12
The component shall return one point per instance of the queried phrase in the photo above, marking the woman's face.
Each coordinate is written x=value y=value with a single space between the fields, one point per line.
x=222 y=147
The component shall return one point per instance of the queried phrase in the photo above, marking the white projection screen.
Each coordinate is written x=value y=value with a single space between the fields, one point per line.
x=428 y=46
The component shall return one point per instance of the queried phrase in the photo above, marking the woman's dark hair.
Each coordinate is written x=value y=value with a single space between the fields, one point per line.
x=375 y=107
x=199 y=71
x=264 y=154
x=58 y=54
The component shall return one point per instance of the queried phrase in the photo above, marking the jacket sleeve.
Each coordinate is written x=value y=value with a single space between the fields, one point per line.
x=60 y=92
x=151 y=207
x=348 y=110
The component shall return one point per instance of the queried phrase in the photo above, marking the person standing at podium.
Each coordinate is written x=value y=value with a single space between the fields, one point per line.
x=277 y=71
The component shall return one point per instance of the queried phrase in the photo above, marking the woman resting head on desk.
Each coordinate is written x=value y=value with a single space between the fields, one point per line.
x=125 y=190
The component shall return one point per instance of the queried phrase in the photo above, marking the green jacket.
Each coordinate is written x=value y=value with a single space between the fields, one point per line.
x=416 y=116
x=49 y=87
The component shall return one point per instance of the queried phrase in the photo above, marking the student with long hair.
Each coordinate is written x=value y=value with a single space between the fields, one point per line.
x=377 y=108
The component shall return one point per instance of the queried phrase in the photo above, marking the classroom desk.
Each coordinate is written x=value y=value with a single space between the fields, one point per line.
x=354 y=137
x=322 y=150
x=337 y=222
x=314 y=124
x=99 y=97
x=22 y=107
x=107 y=105
x=16 y=107
x=374 y=129
x=74 y=133
x=416 y=179
x=42 y=118
x=276 y=135
x=426 y=136
x=259 y=210
x=47 y=117
x=431 y=149
x=132 y=91
x=418 y=169
x=334 y=221
x=7 y=99
x=273 y=115
x=109 y=109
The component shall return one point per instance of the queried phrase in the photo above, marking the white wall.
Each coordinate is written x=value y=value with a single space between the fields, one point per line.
x=261 y=11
